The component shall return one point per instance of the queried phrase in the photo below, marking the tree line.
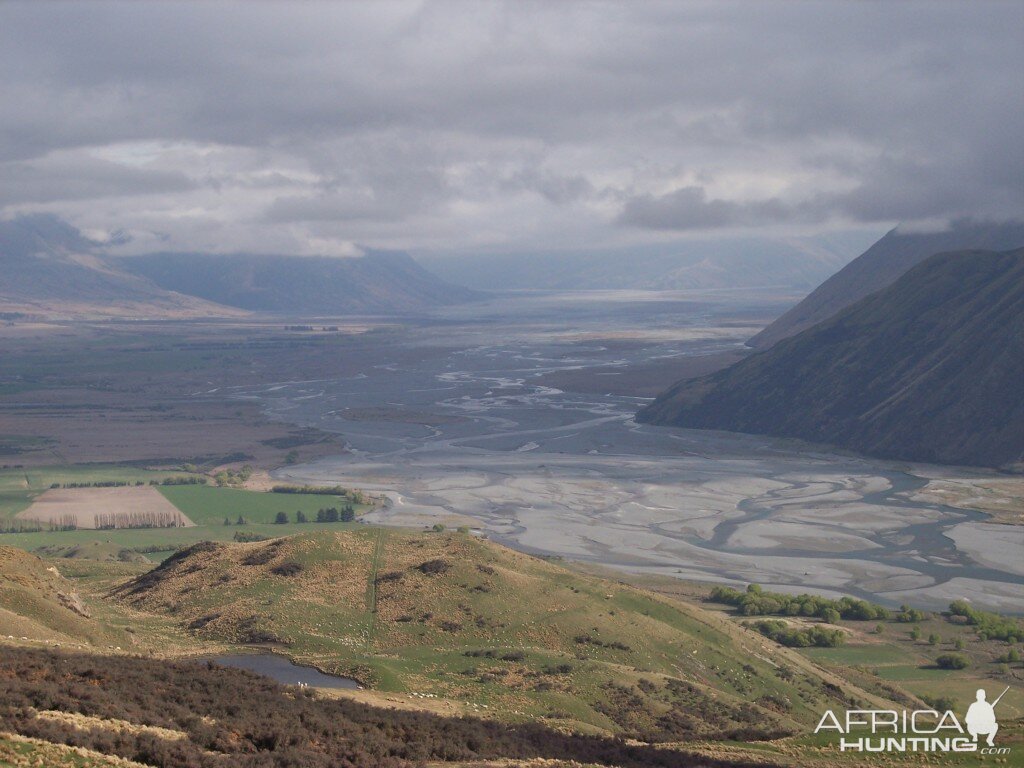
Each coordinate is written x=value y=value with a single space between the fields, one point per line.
x=155 y=519
x=756 y=602
x=323 y=515
x=317 y=490
x=32 y=525
x=179 y=480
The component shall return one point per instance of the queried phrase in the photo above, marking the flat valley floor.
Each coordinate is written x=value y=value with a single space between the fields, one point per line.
x=516 y=416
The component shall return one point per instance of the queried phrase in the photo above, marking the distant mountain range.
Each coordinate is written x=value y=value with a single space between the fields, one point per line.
x=48 y=268
x=928 y=369
x=749 y=262
x=879 y=267
x=380 y=282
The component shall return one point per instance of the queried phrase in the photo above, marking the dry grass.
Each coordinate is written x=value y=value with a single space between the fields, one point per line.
x=83 y=504
x=87 y=722
x=22 y=752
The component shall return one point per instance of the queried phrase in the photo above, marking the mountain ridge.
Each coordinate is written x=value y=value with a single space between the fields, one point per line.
x=48 y=268
x=379 y=282
x=880 y=265
x=928 y=369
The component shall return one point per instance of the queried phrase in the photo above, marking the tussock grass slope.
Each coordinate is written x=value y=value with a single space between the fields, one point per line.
x=453 y=616
x=37 y=603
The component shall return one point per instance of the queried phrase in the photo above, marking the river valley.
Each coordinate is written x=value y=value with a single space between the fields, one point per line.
x=516 y=418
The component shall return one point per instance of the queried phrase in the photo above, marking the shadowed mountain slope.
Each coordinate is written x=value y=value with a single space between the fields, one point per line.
x=48 y=267
x=929 y=369
x=880 y=266
x=379 y=282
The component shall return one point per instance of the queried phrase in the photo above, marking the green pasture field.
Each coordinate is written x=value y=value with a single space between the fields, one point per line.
x=910 y=665
x=209 y=505
x=205 y=505
x=169 y=539
x=19 y=487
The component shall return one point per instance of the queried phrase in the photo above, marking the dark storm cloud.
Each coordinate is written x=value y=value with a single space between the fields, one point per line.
x=472 y=124
x=689 y=208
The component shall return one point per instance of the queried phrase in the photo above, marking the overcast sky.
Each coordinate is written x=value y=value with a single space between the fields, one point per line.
x=480 y=127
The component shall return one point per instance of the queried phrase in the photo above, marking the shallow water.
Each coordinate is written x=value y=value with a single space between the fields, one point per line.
x=556 y=472
x=283 y=671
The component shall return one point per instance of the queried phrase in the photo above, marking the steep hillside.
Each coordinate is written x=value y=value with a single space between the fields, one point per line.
x=460 y=618
x=47 y=267
x=880 y=266
x=928 y=369
x=379 y=282
x=38 y=604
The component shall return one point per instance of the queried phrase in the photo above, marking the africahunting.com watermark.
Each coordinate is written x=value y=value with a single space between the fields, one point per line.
x=922 y=730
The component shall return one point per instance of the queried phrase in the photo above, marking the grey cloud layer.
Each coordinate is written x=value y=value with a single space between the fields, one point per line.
x=479 y=125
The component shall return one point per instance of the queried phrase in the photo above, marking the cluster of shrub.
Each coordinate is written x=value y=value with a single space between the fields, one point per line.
x=909 y=615
x=181 y=480
x=756 y=602
x=815 y=636
x=228 y=477
x=614 y=645
x=515 y=656
x=952 y=661
x=691 y=714
x=232 y=718
x=316 y=490
x=989 y=626
x=244 y=537
x=434 y=567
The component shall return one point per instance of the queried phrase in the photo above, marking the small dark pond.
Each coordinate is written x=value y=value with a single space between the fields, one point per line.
x=283 y=671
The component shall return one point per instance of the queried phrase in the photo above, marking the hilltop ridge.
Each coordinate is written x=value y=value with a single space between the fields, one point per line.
x=880 y=265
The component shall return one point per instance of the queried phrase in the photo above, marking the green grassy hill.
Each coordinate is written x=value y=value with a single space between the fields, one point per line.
x=452 y=616
x=38 y=604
